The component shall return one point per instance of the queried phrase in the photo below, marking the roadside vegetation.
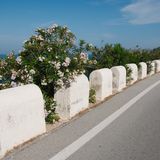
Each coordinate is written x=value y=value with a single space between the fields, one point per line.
x=51 y=60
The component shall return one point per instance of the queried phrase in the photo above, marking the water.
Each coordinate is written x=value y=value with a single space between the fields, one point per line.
x=2 y=56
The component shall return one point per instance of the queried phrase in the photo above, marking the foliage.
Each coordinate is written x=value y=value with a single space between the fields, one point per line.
x=49 y=54
x=50 y=60
x=149 y=67
x=92 y=96
x=11 y=72
x=128 y=74
x=110 y=55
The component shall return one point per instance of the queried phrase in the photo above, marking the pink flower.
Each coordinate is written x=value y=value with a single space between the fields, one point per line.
x=14 y=75
x=83 y=56
x=13 y=84
x=3 y=63
x=67 y=62
x=19 y=60
x=10 y=55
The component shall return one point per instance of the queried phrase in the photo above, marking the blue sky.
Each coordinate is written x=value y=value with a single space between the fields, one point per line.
x=129 y=22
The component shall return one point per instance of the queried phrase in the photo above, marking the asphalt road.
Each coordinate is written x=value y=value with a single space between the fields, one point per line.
x=133 y=135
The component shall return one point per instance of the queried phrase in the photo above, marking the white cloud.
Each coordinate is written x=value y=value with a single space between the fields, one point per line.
x=143 y=12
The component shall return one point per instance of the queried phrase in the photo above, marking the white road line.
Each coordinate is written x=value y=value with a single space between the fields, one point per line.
x=76 y=145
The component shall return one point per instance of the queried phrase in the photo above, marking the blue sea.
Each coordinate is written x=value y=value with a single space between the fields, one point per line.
x=2 y=56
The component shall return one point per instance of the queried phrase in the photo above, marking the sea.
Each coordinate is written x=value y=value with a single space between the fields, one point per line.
x=2 y=56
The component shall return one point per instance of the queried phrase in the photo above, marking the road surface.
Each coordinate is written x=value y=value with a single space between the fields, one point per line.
x=126 y=127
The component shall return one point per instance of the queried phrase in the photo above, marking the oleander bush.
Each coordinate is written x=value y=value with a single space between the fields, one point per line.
x=50 y=59
x=11 y=72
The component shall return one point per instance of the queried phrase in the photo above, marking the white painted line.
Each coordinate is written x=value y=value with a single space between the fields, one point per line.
x=76 y=145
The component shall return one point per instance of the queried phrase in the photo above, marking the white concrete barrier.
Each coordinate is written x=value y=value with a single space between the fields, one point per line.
x=101 y=82
x=74 y=99
x=119 y=78
x=157 y=65
x=134 y=73
x=142 y=72
x=21 y=116
x=152 y=69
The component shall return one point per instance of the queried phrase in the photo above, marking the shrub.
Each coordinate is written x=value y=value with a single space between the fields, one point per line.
x=54 y=60
x=50 y=60
x=92 y=96
x=11 y=72
x=128 y=74
x=149 y=67
x=108 y=56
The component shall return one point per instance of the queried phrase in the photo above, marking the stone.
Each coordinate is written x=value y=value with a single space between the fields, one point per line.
x=74 y=99
x=152 y=69
x=21 y=116
x=157 y=65
x=101 y=82
x=119 y=78
x=142 y=72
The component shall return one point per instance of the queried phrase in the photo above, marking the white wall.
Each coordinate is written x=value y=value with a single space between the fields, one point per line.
x=134 y=73
x=74 y=99
x=101 y=82
x=21 y=116
x=119 y=78
x=142 y=72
